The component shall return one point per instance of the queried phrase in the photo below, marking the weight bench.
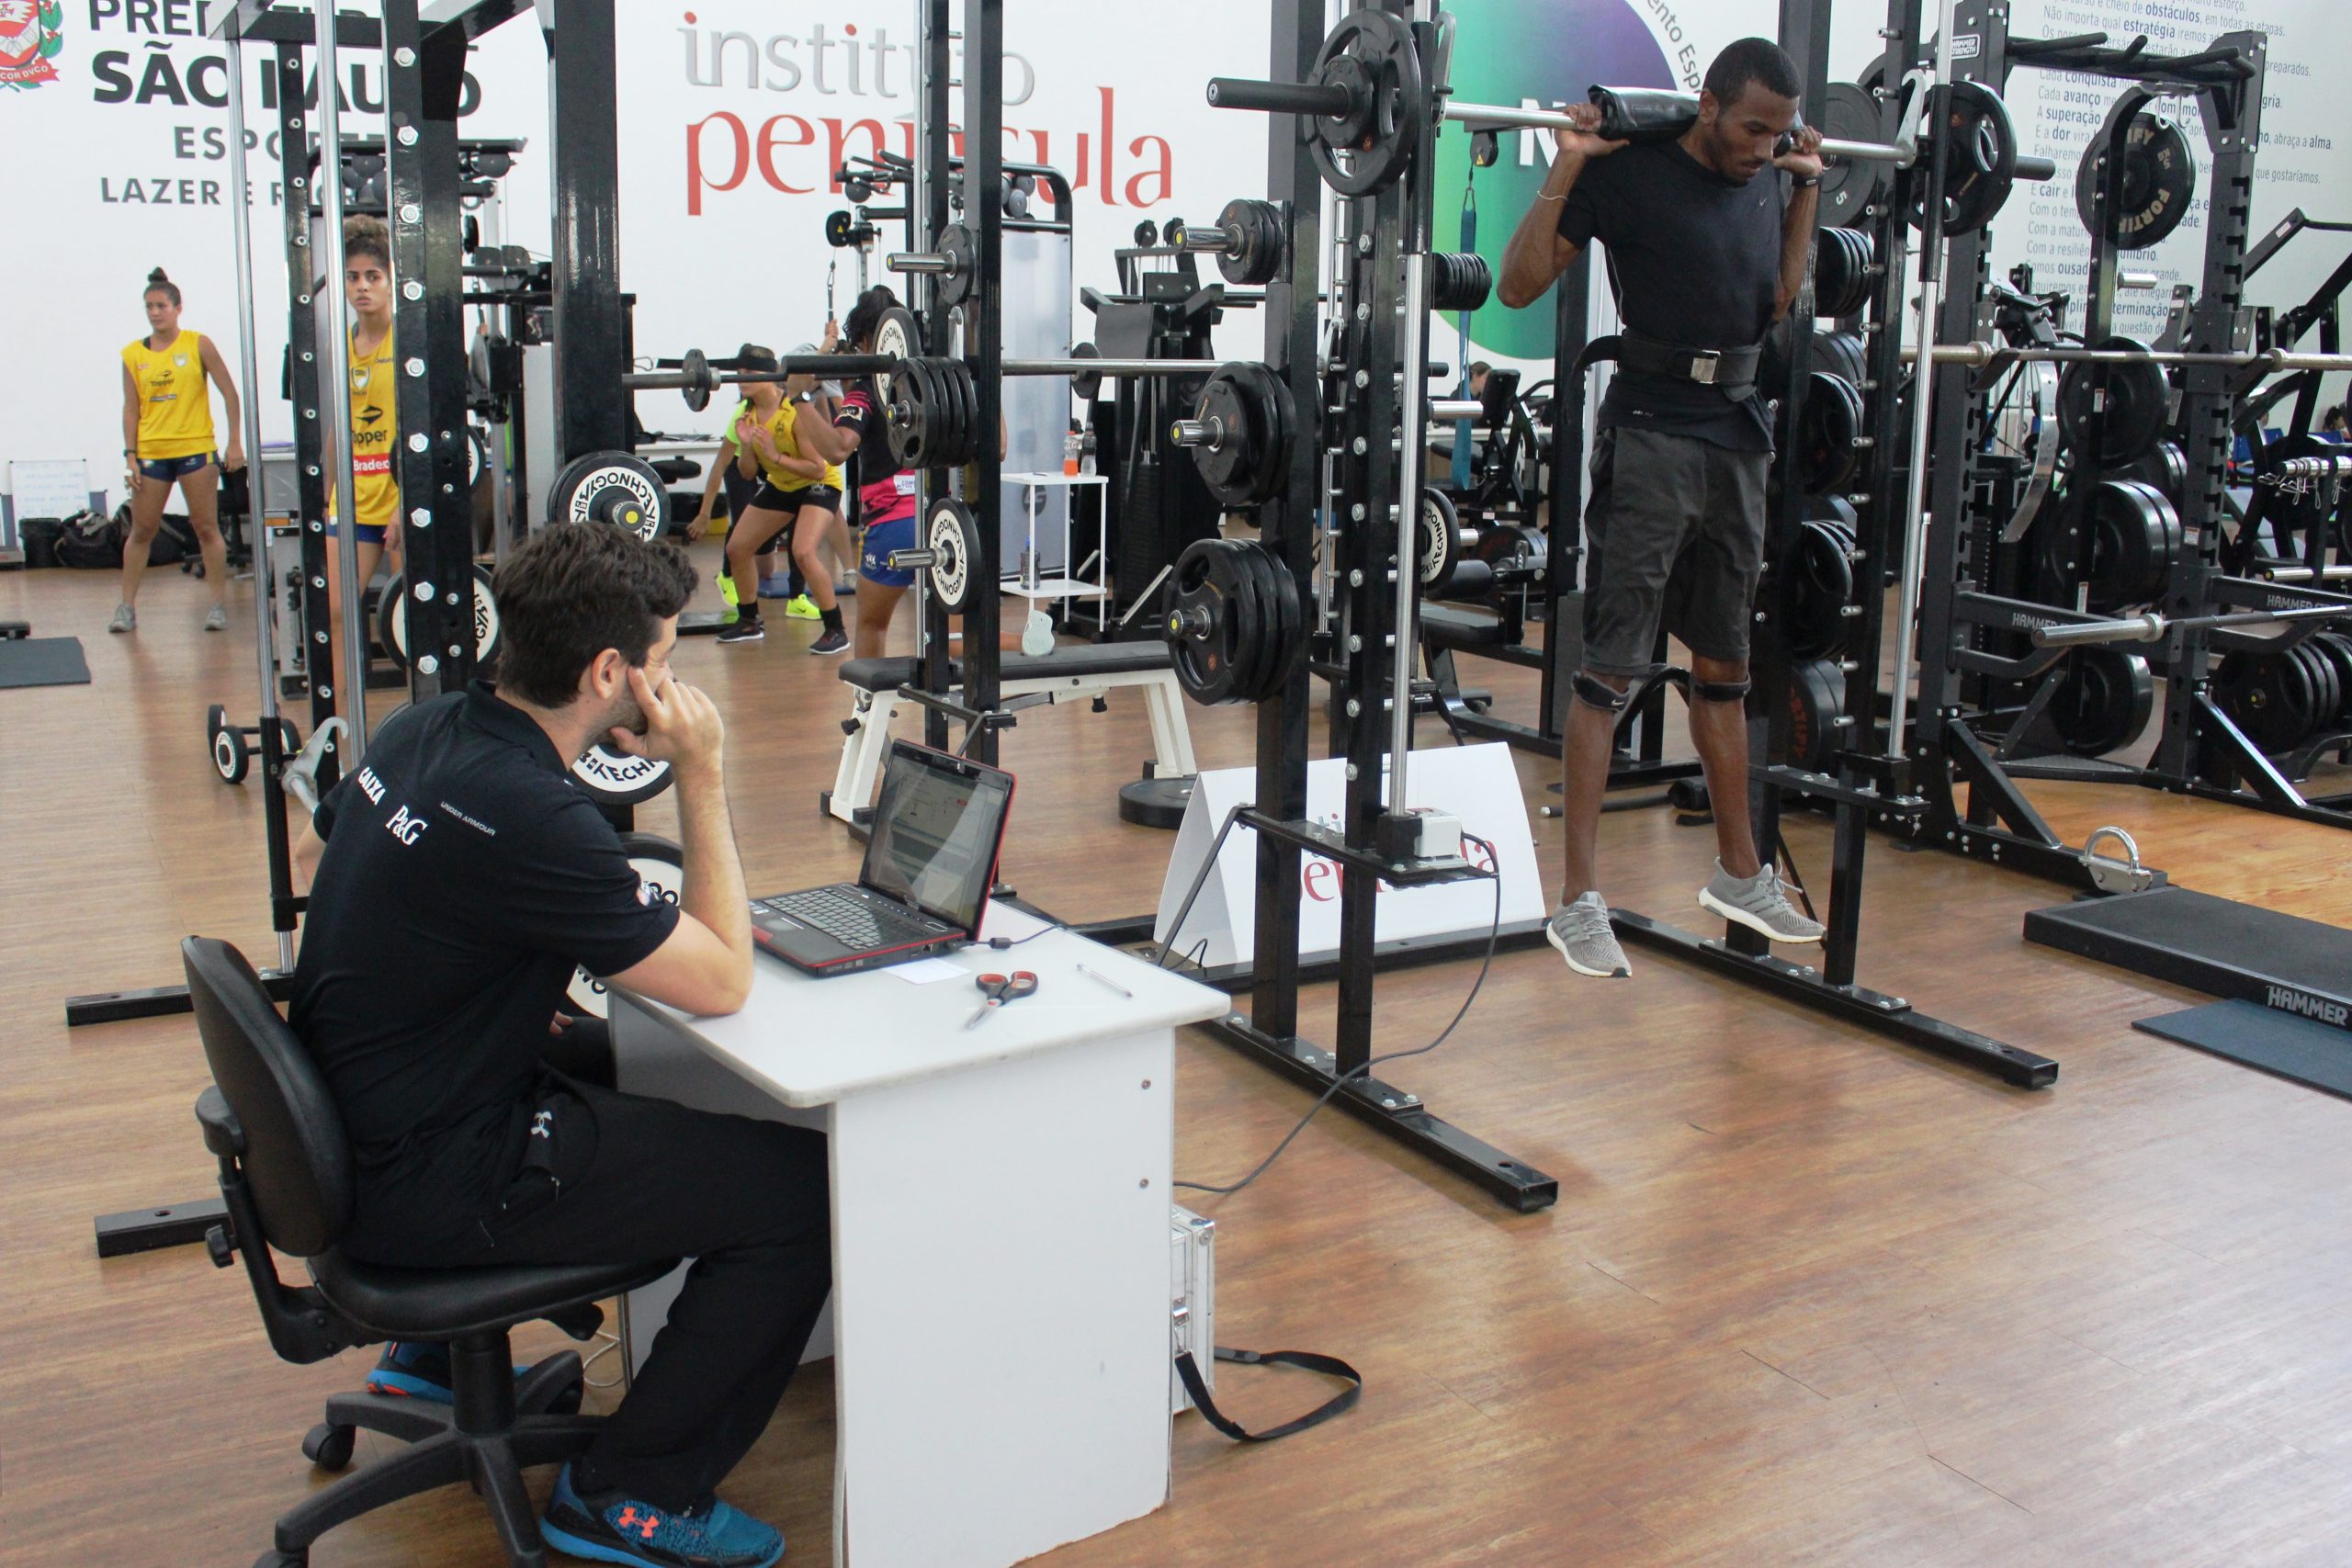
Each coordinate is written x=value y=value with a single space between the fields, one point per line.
x=1093 y=670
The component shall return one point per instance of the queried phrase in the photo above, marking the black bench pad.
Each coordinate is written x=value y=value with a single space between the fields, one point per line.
x=1451 y=628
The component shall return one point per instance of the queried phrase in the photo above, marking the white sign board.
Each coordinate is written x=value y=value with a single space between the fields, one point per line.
x=53 y=489
x=1476 y=783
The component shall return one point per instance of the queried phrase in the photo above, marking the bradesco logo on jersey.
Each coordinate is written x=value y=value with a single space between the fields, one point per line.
x=32 y=33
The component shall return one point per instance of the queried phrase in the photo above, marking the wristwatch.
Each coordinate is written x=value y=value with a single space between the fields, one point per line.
x=1804 y=182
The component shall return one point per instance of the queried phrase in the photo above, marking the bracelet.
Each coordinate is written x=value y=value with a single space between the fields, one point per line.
x=1541 y=196
x=1804 y=182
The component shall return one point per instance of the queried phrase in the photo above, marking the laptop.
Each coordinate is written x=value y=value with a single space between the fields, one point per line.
x=929 y=865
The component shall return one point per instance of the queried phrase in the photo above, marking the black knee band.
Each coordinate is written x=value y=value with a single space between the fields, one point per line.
x=1597 y=693
x=1719 y=691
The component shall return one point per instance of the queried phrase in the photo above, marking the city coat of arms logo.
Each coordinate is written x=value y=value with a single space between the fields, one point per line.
x=33 y=32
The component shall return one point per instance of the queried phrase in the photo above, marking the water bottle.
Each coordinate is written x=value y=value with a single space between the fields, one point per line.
x=1072 y=444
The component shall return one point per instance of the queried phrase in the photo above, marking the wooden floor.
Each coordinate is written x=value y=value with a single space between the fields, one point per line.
x=1806 y=1297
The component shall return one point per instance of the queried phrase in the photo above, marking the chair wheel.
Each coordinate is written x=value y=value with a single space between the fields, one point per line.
x=329 y=1446
x=567 y=1402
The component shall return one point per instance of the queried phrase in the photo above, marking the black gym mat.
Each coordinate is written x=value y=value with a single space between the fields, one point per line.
x=2278 y=1042
x=2214 y=945
x=43 y=661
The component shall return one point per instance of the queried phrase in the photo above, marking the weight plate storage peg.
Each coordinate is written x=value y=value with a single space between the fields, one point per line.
x=611 y=487
x=2159 y=181
x=393 y=613
x=661 y=867
x=953 y=536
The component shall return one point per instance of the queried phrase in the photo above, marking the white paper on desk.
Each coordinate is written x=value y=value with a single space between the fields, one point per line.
x=927 y=971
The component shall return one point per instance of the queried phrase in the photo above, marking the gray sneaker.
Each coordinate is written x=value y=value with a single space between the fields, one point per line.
x=216 y=619
x=1760 y=903
x=1580 y=930
x=126 y=619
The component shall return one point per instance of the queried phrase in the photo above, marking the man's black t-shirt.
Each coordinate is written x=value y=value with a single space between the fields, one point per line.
x=1696 y=260
x=463 y=878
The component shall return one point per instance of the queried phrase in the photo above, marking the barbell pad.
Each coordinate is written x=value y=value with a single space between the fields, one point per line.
x=1719 y=691
x=1642 y=114
x=1594 y=693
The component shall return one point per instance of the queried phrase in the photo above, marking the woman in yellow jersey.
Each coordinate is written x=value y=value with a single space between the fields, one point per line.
x=798 y=491
x=375 y=492
x=167 y=437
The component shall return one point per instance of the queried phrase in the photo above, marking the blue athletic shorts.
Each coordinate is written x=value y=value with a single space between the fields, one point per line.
x=366 y=533
x=883 y=539
x=171 y=470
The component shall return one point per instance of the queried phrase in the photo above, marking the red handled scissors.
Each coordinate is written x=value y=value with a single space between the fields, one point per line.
x=1000 y=989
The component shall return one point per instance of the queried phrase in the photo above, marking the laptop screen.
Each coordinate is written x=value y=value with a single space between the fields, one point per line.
x=936 y=828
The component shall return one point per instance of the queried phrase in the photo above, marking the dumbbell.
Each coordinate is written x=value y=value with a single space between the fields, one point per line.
x=234 y=745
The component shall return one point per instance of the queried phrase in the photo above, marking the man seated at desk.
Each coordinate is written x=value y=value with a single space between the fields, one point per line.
x=458 y=879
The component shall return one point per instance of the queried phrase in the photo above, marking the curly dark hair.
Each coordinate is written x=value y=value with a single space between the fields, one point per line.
x=571 y=592
x=857 y=332
x=365 y=236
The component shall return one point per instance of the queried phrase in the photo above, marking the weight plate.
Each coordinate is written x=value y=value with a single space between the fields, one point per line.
x=897 y=336
x=476 y=455
x=695 y=366
x=614 y=778
x=1439 y=538
x=1804 y=726
x=1212 y=616
x=2269 y=697
x=953 y=536
x=1086 y=385
x=611 y=487
x=2129 y=545
x=661 y=867
x=1829 y=425
x=232 y=758
x=961 y=249
x=2327 y=691
x=1816 y=580
x=1849 y=186
x=1464 y=281
x=1372 y=55
x=2103 y=701
x=1259 y=259
x=393 y=613
x=1980 y=158
x=1289 y=624
x=914 y=421
x=1229 y=464
x=2138 y=405
x=1844 y=353
x=963 y=401
x=1513 y=548
x=2336 y=648
x=2167 y=469
x=1258 y=657
x=2159 y=181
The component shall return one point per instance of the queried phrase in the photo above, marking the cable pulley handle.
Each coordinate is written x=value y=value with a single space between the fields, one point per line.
x=1279 y=98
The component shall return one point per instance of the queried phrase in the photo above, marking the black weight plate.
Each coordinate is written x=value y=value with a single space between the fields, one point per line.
x=1848 y=113
x=2104 y=698
x=1087 y=385
x=2336 y=648
x=957 y=243
x=393 y=607
x=2137 y=405
x=2159 y=181
x=951 y=430
x=1815 y=582
x=1805 y=728
x=1980 y=161
x=1271 y=422
x=1832 y=268
x=1204 y=620
x=1260 y=225
x=953 y=536
x=1232 y=467
x=615 y=778
x=2166 y=468
x=2328 y=694
x=2269 y=696
x=2129 y=544
x=897 y=335
x=660 y=864
x=1373 y=53
x=232 y=758
x=1290 y=621
x=1831 y=420
x=1833 y=512
x=615 y=487
x=1261 y=654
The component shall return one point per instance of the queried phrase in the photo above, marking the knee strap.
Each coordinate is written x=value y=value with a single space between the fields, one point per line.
x=1719 y=691
x=1597 y=693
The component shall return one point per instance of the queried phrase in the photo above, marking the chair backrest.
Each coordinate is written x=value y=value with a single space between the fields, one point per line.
x=297 y=1159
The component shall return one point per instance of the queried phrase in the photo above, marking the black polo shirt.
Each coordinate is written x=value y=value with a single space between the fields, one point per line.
x=1696 y=260
x=463 y=878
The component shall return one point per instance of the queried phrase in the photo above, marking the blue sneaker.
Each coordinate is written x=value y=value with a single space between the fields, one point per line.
x=417 y=1372
x=621 y=1530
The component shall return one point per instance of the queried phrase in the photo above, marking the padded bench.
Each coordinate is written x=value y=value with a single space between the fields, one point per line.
x=1086 y=669
x=1452 y=626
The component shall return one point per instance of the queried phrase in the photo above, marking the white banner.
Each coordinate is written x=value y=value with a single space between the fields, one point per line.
x=1476 y=783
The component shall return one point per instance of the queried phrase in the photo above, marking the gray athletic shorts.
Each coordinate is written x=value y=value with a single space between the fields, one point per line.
x=1674 y=533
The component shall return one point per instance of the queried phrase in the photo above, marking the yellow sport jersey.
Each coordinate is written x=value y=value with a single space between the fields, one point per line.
x=375 y=424
x=781 y=426
x=174 y=406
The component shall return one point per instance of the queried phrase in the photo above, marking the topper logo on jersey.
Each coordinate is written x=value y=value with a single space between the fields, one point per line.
x=405 y=828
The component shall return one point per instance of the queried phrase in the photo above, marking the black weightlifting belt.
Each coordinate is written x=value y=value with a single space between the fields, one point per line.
x=1731 y=371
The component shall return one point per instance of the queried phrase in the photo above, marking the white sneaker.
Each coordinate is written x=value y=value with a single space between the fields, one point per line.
x=1580 y=929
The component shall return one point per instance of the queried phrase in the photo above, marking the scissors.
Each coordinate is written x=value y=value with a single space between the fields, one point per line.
x=1000 y=989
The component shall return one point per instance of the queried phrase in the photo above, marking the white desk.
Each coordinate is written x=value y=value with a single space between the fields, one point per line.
x=1000 y=1203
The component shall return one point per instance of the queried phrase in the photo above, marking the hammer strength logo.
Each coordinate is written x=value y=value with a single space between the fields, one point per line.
x=32 y=33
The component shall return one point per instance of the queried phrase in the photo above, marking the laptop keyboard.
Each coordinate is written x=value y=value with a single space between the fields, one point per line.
x=845 y=919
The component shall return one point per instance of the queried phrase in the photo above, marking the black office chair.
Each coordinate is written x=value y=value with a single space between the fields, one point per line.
x=285 y=1176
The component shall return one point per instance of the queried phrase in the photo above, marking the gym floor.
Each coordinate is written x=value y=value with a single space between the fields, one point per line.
x=1806 y=1296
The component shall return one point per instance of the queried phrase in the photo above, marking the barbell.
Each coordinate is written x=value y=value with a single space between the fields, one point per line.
x=2154 y=627
x=1980 y=355
x=697 y=375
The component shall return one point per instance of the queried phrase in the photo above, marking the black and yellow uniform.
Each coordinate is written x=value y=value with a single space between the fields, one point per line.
x=175 y=407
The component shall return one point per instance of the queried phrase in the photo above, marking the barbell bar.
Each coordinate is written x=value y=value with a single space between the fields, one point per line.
x=2152 y=627
x=1980 y=355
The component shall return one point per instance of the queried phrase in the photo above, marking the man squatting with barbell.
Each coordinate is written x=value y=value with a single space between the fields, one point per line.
x=1704 y=258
